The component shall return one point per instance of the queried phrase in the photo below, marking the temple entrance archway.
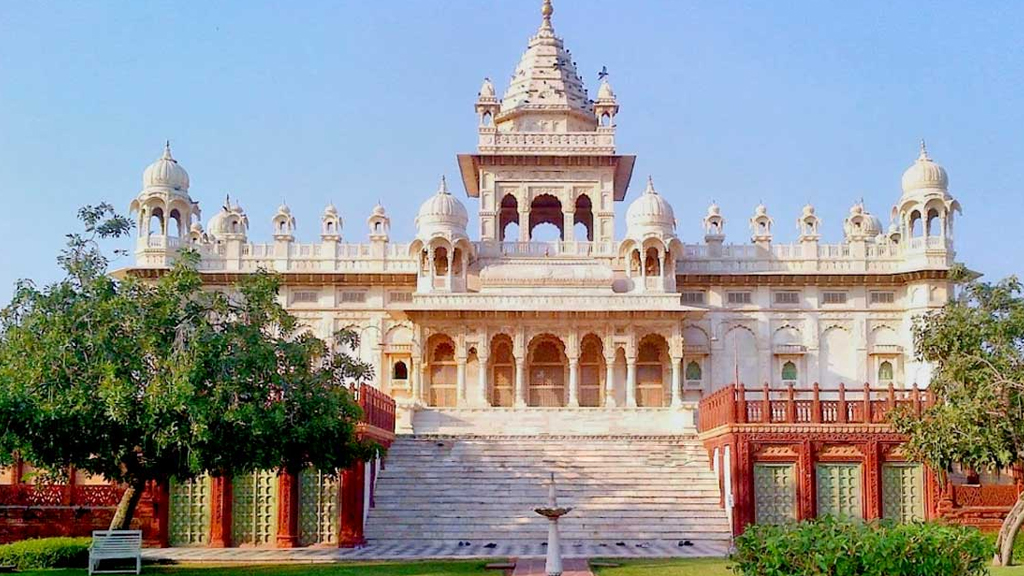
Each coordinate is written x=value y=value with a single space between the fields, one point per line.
x=503 y=372
x=546 y=209
x=547 y=372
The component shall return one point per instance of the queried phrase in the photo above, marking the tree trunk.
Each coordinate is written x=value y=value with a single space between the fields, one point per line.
x=122 y=519
x=1008 y=533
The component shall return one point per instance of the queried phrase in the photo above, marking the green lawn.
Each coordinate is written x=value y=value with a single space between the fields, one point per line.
x=454 y=568
x=709 y=567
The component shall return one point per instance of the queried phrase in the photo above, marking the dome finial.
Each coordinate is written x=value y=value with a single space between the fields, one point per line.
x=167 y=151
x=443 y=187
x=924 y=151
x=650 y=185
x=546 y=11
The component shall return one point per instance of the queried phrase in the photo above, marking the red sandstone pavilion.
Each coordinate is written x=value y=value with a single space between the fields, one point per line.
x=679 y=391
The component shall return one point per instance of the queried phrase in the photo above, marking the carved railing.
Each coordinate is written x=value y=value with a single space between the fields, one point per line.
x=52 y=495
x=790 y=405
x=378 y=407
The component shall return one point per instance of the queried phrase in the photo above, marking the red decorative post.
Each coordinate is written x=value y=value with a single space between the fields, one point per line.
x=353 y=488
x=816 y=405
x=220 y=511
x=841 y=410
x=868 y=417
x=791 y=405
x=766 y=406
x=162 y=512
x=287 y=510
x=741 y=406
x=873 y=477
x=917 y=400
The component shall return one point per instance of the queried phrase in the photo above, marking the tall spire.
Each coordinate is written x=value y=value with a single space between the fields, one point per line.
x=546 y=11
x=167 y=151
x=443 y=187
x=924 y=151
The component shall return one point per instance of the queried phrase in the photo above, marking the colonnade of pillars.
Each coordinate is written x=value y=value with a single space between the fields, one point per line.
x=420 y=381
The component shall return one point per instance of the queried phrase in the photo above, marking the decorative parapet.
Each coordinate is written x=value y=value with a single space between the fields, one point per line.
x=567 y=143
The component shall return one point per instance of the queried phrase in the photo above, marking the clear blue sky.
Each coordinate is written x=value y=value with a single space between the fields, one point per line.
x=309 y=101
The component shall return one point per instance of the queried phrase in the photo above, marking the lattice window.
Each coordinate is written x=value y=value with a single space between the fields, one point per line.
x=885 y=373
x=789 y=372
x=443 y=375
x=547 y=375
x=883 y=297
x=693 y=371
x=650 y=375
x=318 y=508
x=503 y=375
x=902 y=492
x=833 y=298
x=839 y=490
x=254 y=509
x=591 y=369
x=693 y=297
x=737 y=298
x=189 y=512
x=774 y=493
x=787 y=298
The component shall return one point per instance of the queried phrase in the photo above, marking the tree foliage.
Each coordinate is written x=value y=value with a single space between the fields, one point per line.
x=147 y=380
x=975 y=345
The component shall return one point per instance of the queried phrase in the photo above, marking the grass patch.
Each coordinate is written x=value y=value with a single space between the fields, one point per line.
x=418 y=568
x=709 y=567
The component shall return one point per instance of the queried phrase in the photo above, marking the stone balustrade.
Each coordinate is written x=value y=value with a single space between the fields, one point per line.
x=600 y=142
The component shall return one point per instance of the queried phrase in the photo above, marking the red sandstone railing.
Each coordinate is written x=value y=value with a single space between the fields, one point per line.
x=378 y=407
x=740 y=405
x=50 y=495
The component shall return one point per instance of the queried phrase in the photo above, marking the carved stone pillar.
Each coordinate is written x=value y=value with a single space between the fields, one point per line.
x=416 y=380
x=568 y=221
x=524 y=225
x=287 y=510
x=220 y=511
x=520 y=383
x=631 y=382
x=460 y=380
x=609 y=381
x=353 y=487
x=424 y=386
x=574 y=382
x=677 y=381
x=483 y=379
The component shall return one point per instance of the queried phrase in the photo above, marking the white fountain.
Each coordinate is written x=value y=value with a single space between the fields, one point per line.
x=553 y=564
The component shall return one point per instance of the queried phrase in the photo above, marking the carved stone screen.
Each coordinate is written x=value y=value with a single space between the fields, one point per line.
x=318 y=508
x=902 y=492
x=254 y=510
x=774 y=493
x=189 y=513
x=839 y=490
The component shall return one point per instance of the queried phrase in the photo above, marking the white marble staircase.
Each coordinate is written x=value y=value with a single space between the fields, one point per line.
x=625 y=491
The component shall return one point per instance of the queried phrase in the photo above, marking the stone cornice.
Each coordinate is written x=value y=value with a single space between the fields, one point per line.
x=697 y=280
x=290 y=278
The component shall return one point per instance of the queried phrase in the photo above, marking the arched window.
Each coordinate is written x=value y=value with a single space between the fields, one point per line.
x=650 y=375
x=932 y=228
x=583 y=219
x=441 y=261
x=885 y=373
x=591 y=370
x=915 y=224
x=442 y=375
x=487 y=120
x=693 y=371
x=400 y=371
x=652 y=262
x=508 y=216
x=789 y=372
x=502 y=372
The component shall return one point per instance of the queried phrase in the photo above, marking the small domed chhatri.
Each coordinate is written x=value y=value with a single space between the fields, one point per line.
x=442 y=213
x=166 y=173
x=650 y=213
x=924 y=174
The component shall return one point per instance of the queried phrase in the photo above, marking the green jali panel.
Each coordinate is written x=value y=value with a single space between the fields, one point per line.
x=839 y=490
x=903 y=492
x=190 y=512
x=254 y=510
x=318 y=508
x=774 y=493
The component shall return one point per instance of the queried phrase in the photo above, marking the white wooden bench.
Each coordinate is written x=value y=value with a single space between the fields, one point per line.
x=115 y=545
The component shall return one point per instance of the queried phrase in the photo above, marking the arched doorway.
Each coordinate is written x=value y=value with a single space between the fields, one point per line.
x=442 y=370
x=592 y=370
x=503 y=372
x=583 y=219
x=651 y=378
x=547 y=372
x=508 y=215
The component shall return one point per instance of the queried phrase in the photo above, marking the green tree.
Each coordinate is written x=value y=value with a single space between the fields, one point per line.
x=147 y=380
x=975 y=344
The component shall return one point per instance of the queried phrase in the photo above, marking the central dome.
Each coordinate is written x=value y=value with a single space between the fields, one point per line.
x=650 y=213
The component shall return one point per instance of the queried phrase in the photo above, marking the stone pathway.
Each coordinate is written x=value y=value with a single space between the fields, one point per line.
x=408 y=551
x=535 y=567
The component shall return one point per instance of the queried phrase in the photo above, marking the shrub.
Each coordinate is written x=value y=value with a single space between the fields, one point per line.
x=46 y=553
x=827 y=547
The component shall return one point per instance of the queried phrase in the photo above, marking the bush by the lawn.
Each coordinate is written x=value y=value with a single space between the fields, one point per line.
x=828 y=547
x=46 y=553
